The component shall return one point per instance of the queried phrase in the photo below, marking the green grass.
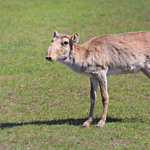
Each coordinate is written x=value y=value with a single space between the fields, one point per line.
x=43 y=105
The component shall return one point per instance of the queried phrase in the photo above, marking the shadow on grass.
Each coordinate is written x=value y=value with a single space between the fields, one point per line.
x=71 y=121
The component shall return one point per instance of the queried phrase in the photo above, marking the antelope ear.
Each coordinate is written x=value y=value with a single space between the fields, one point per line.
x=55 y=34
x=75 y=38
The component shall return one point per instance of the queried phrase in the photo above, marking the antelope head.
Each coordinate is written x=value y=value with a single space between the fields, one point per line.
x=61 y=46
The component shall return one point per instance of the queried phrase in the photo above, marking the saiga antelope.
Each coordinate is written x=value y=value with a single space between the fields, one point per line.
x=101 y=57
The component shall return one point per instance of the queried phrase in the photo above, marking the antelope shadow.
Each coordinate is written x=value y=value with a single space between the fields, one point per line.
x=69 y=121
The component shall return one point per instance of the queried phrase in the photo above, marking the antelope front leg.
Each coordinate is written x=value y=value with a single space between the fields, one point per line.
x=94 y=83
x=105 y=98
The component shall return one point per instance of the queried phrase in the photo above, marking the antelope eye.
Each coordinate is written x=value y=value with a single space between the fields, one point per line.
x=65 y=43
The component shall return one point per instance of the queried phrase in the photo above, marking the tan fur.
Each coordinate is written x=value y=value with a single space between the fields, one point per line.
x=101 y=57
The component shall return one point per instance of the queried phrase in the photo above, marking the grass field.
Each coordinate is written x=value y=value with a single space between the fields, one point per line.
x=42 y=104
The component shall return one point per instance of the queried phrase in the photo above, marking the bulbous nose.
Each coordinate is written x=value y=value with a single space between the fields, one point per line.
x=49 y=58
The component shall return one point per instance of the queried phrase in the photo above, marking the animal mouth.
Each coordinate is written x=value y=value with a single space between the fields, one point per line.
x=64 y=58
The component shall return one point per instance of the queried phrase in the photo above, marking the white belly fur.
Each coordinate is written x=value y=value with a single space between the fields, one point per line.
x=113 y=71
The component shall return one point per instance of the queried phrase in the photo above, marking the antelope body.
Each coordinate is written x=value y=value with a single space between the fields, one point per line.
x=101 y=57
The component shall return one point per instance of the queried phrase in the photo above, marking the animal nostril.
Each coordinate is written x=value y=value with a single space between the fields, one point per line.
x=48 y=58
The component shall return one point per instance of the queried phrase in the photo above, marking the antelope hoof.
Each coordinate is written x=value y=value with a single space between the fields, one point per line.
x=86 y=124
x=100 y=123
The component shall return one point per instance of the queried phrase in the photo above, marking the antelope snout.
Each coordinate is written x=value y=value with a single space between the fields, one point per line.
x=49 y=58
